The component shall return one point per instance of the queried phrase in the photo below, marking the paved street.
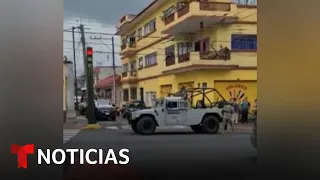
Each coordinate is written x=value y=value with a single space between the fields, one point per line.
x=68 y=134
x=176 y=150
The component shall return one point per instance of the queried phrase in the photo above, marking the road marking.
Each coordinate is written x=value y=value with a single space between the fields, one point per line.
x=112 y=127
x=68 y=134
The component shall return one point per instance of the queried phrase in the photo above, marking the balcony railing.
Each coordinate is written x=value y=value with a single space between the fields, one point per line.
x=133 y=44
x=123 y=46
x=133 y=73
x=169 y=19
x=170 y=61
x=214 y=55
x=184 y=57
x=183 y=10
x=125 y=74
x=215 y=6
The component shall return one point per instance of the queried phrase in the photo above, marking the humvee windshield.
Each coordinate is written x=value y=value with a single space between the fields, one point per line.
x=158 y=103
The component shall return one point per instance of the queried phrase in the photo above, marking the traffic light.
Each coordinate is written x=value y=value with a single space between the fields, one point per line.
x=89 y=54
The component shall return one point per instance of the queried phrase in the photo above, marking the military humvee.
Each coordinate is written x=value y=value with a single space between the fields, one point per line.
x=177 y=109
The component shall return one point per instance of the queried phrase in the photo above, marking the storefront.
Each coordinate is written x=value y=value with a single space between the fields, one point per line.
x=237 y=89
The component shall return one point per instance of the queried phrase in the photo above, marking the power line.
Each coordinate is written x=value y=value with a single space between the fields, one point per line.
x=99 y=33
x=111 y=34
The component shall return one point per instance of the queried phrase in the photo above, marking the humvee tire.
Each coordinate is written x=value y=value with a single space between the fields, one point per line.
x=196 y=128
x=210 y=124
x=134 y=127
x=146 y=125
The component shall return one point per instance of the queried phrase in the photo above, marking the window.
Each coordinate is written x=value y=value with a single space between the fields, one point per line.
x=125 y=67
x=172 y=104
x=151 y=59
x=125 y=95
x=180 y=5
x=133 y=93
x=245 y=2
x=133 y=66
x=168 y=11
x=184 y=48
x=169 y=52
x=244 y=42
x=202 y=45
x=132 y=39
x=204 y=85
x=139 y=33
x=183 y=105
x=125 y=40
x=140 y=62
x=150 y=27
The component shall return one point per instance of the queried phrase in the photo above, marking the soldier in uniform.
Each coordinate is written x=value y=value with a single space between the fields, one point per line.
x=227 y=113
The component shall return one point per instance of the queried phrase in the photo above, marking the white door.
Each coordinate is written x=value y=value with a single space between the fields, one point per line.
x=150 y=96
x=175 y=115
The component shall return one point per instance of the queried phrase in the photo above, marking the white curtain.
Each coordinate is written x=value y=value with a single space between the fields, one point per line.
x=246 y=2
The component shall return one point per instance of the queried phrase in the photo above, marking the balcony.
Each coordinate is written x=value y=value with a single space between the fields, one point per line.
x=188 y=18
x=169 y=19
x=184 y=58
x=170 y=61
x=123 y=47
x=125 y=19
x=128 y=48
x=213 y=60
x=124 y=74
x=131 y=77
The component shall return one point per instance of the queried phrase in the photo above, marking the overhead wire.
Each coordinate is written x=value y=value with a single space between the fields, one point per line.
x=142 y=54
x=157 y=37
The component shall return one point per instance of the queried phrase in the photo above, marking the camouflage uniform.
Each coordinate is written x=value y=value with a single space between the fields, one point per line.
x=227 y=116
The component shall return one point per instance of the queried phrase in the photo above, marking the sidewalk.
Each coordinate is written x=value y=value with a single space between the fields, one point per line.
x=77 y=123
x=81 y=122
x=240 y=126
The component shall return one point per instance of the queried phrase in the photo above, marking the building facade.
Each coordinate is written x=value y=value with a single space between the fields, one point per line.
x=203 y=43
x=103 y=78
x=69 y=90
x=101 y=72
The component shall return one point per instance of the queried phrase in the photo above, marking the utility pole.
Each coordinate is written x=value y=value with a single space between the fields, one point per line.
x=75 y=69
x=113 y=64
x=88 y=66
x=114 y=72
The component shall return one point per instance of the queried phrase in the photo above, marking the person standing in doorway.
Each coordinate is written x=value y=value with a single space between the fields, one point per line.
x=236 y=109
x=245 y=107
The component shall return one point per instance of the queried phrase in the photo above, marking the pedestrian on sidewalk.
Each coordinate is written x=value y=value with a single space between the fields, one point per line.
x=245 y=107
x=236 y=109
x=227 y=113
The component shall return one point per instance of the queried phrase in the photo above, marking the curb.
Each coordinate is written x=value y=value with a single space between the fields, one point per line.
x=92 y=126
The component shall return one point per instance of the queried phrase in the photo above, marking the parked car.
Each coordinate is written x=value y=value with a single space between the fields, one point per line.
x=82 y=108
x=132 y=106
x=77 y=101
x=104 y=111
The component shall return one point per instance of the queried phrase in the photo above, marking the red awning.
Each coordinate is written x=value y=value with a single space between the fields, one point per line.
x=96 y=70
x=108 y=81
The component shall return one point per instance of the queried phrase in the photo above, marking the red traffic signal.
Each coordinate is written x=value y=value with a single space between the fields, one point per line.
x=89 y=51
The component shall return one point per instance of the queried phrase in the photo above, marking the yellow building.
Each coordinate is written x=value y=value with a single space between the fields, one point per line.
x=191 y=43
